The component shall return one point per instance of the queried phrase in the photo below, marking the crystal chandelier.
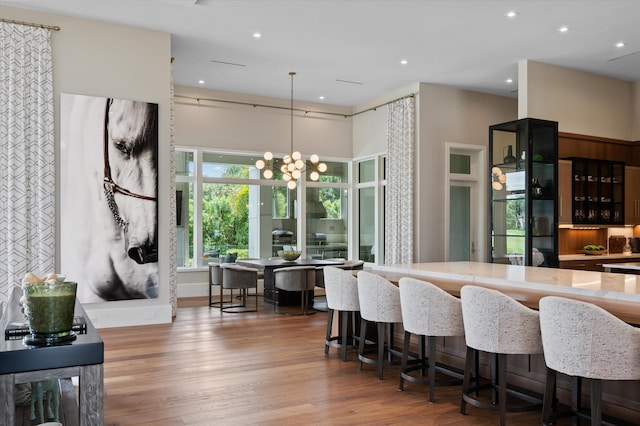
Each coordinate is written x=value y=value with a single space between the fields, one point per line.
x=292 y=164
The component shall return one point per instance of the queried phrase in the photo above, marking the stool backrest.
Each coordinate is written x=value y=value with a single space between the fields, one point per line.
x=582 y=339
x=379 y=299
x=341 y=289
x=497 y=323
x=428 y=310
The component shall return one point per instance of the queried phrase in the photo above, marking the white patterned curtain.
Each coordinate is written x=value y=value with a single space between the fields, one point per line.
x=27 y=153
x=398 y=235
x=173 y=253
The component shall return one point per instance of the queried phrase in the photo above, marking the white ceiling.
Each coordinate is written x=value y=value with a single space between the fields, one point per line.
x=469 y=44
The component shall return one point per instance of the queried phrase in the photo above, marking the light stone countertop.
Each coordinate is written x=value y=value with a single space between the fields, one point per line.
x=618 y=293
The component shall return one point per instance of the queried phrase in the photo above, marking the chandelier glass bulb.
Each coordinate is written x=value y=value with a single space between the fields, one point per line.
x=296 y=174
x=291 y=184
x=268 y=156
x=286 y=177
x=291 y=167
x=268 y=174
x=314 y=158
x=260 y=164
x=296 y=155
x=322 y=167
x=299 y=164
x=314 y=176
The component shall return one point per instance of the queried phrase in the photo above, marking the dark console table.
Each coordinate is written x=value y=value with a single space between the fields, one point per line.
x=286 y=298
x=82 y=358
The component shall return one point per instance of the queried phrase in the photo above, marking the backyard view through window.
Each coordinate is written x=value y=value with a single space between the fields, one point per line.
x=225 y=207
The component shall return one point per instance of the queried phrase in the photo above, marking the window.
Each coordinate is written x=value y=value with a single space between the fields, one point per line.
x=224 y=206
x=371 y=190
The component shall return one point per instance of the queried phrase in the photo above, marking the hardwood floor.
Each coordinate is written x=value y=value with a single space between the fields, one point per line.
x=208 y=368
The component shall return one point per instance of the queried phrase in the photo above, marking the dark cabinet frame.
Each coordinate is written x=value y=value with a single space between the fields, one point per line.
x=523 y=212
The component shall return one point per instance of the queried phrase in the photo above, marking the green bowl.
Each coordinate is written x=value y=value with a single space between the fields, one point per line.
x=289 y=255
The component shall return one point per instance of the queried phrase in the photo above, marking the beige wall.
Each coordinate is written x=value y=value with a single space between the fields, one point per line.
x=99 y=59
x=580 y=102
x=228 y=126
x=449 y=115
x=444 y=114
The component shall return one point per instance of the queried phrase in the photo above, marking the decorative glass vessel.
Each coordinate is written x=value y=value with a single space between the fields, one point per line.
x=49 y=309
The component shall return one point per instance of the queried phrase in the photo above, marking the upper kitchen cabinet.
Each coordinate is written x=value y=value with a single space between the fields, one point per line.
x=523 y=195
x=632 y=195
x=598 y=192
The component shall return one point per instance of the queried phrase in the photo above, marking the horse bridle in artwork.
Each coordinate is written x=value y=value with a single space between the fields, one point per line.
x=110 y=187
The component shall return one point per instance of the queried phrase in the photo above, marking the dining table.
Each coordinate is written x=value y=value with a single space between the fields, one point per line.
x=283 y=298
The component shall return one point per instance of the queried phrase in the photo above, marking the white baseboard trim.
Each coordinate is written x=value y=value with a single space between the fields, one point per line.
x=128 y=316
x=194 y=290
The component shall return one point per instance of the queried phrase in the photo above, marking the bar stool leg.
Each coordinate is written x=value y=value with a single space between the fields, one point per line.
x=381 y=327
x=343 y=339
x=363 y=337
x=329 y=328
x=549 y=397
x=405 y=356
x=466 y=381
x=432 y=368
x=596 y=402
x=502 y=387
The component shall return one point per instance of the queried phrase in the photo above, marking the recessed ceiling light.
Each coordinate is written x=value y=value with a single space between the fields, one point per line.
x=511 y=14
x=404 y=62
x=257 y=35
x=563 y=29
x=621 y=44
x=509 y=80
x=200 y=81
x=321 y=97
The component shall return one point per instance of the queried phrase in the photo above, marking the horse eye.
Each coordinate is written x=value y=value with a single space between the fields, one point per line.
x=121 y=146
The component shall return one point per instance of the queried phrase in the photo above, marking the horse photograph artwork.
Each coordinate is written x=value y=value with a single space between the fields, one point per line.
x=108 y=198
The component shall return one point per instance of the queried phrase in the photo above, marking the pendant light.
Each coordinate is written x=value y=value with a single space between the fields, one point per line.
x=293 y=166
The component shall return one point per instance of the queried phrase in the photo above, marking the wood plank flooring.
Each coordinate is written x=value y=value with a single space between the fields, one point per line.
x=208 y=368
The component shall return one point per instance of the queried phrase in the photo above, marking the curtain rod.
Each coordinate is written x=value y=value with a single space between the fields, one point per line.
x=31 y=24
x=306 y=111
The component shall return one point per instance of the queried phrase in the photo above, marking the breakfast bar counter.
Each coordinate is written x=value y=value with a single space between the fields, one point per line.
x=617 y=293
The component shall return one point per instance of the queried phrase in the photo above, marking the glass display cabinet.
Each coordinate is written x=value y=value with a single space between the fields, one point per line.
x=523 y=206
x=598 y=191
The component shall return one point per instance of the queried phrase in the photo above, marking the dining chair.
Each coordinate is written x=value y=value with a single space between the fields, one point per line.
x=295 y=278
x=242 y=278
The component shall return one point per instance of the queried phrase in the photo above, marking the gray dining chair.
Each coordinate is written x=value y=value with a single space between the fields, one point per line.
x=241 y=278
x=295 y=278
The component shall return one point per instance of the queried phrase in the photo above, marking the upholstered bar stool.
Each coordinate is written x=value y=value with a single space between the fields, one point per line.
x=499 y=325
x=341 y=290
x=242 y=278
x=295 y=278
x=380 y=304
x=428 y=311
x=583 y=340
